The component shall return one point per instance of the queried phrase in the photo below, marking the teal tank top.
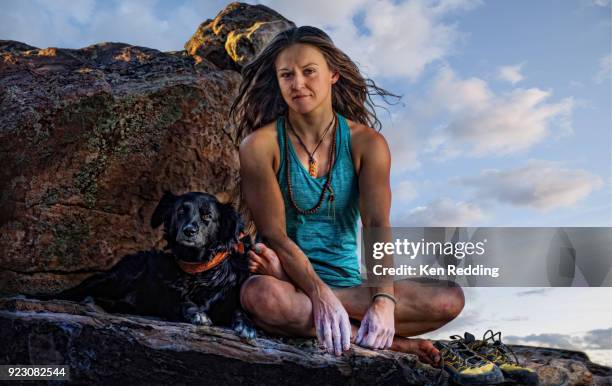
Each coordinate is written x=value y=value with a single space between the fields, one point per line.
x=329 y=236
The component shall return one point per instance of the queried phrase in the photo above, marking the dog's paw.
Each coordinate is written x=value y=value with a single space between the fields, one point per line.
x=244 y=330
x=200 y=319
x=243 y=326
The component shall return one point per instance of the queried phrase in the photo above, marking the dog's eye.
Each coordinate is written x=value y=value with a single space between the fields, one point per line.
x=205 y=216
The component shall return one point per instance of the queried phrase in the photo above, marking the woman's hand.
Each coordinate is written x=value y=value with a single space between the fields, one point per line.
x=331 y=322
x=378 y=325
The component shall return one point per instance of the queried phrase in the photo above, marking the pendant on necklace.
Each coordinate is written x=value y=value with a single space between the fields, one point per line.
x=312 y=167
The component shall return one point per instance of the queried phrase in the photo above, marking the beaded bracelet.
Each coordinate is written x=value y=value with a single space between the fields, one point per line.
x=385 y=295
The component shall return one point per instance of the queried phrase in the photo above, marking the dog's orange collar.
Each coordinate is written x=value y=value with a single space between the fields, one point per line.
x=191 y=267
x=198 y=267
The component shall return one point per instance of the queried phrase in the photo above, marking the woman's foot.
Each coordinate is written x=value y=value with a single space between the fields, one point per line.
x=422 y=348
x=264 y=261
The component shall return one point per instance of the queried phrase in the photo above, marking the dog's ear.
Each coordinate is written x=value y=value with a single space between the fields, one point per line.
x=165 y=204
x=230 y=223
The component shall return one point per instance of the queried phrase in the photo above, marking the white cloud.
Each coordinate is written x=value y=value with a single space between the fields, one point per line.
x=457 y=95
x=405 y=191
x=605 y=69
x=599 y=339
x=319 y=13
x=80 y=11
x=401 y=39
x=593 y=339
x=40 y=24
x=546 y=340
x=602 y=3
x=510 y=74
x=484 y=123
x=441 y=212
x=404 y=142
x=543 y=185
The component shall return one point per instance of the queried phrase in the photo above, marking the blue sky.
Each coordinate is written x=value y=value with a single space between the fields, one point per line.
x=505 y=120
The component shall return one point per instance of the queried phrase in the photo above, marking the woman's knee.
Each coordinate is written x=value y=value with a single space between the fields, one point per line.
x=448 y=302
x=256 y=292
x=429 y=301
x=267 y=299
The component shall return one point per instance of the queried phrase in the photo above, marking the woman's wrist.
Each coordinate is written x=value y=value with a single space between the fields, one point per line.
x=384 y=298
x=317 y=289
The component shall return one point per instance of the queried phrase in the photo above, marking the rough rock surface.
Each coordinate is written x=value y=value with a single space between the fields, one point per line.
x=91 y=137
x=103 y=348
x=232 y=39
x=563 y=367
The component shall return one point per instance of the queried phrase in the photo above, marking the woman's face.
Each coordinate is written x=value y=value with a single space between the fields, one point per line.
x=304 y=78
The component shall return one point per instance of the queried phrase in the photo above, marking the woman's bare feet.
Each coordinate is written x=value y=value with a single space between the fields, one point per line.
x=264 y=261
x=422 y=348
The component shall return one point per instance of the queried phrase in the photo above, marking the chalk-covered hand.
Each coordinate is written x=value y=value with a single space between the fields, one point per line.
x=378 y=325
x=331 y=322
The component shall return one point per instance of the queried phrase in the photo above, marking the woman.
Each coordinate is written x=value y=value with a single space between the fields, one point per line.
x=310 y=166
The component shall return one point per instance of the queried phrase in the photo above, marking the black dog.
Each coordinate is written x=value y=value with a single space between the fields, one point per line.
x=199 y=282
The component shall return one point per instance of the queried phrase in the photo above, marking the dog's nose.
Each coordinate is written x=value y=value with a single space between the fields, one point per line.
x=190 y=230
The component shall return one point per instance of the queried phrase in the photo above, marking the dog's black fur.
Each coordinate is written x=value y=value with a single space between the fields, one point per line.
x=196 y=227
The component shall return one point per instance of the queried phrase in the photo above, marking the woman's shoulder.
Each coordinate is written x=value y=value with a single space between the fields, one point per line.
x=363 y=136
x=261 y=143
x=261 y=137
x=365 y=140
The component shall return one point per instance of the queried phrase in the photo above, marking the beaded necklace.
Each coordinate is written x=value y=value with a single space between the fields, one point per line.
x=327 y=185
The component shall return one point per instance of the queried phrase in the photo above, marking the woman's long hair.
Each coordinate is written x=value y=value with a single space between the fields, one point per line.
x=260 y=101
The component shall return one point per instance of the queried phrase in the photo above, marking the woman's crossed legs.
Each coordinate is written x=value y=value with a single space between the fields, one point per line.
x=277 y=306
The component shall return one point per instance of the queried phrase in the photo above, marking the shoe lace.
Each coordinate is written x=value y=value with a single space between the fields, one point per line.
x=461 y=354
x=496 y=343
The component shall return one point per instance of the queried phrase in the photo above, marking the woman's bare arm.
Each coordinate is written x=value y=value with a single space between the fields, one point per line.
x=375 y=191
x=265 y=201
x=377 y=327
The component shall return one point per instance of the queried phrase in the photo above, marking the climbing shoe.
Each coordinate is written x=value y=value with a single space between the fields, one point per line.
x=464 y=366
x=492 y=349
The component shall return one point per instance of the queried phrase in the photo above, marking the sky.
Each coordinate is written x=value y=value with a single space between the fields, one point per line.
x=505 y=119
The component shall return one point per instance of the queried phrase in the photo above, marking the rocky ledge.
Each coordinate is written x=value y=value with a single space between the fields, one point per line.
x=103 y=348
